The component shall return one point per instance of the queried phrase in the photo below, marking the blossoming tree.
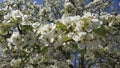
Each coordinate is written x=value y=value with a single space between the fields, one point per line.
x=44 y=36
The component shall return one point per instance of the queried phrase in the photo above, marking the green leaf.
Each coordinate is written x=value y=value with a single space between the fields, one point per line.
x=101 y=31
x=61 y=26
x=44 y=50
x=25 y=28
x=1 y=13
x=86 y=22
x=5 y=27
x=74 y=46
x=67 y=39
x=69 y=29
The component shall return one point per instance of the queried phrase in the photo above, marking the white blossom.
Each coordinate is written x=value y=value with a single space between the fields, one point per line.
x=78 y=36
x=81 y=46
x=59 y=27
x=15 y=62
x=29 y=39
x=16 y=14
x=16 y=39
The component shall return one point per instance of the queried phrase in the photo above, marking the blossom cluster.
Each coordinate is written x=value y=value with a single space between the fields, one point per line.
x=32 y=37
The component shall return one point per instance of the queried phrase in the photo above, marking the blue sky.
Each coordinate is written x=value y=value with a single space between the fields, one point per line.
x=1 y=0
x=38 y=1
x=116 y=2
x=41 y=1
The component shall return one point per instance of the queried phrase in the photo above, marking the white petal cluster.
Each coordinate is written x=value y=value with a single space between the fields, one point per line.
x=16 y=14
x=36 y=34
x=16 y=39
x=29 y=39
x=50 y=35
x=81 y=28
x=15 y=62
